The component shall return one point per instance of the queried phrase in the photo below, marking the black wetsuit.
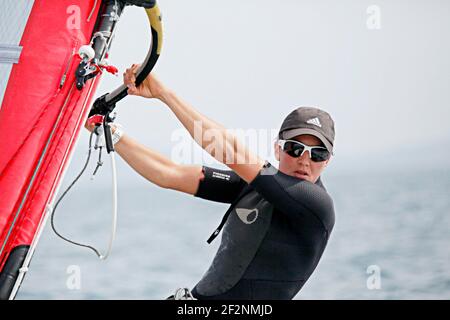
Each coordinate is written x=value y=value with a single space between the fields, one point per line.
x=275 y=233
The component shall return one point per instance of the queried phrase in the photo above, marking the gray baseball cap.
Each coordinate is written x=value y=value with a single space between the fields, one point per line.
x=309 y=120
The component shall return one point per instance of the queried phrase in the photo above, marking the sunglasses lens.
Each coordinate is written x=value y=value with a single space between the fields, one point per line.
x=319 y=155
x=293 y=149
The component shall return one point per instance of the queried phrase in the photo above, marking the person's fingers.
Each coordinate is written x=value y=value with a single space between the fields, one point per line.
x=126 y=78
x=131 y=86
x=131 y=72
x=135 y=67
x=128 y=74
x=89 y=127
x=128 y=81
x=132 y=90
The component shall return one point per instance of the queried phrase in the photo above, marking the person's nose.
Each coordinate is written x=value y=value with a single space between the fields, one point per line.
x=304 y=158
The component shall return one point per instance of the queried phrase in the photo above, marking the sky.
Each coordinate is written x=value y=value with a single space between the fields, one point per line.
x=381 y=69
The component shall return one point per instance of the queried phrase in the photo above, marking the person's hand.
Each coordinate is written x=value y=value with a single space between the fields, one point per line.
x=151 y=87
x=89 y=127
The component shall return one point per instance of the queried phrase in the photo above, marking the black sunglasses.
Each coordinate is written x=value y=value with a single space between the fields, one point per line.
x=296 y=149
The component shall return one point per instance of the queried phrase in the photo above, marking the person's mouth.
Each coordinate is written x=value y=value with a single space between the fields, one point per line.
x=301 y=174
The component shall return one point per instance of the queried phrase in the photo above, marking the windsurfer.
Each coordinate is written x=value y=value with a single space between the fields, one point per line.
x=279 y=221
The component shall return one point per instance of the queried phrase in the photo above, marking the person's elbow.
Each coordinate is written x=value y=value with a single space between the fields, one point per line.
x=182 y=178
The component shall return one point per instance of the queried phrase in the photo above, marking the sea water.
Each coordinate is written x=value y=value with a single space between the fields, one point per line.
x=391 y=241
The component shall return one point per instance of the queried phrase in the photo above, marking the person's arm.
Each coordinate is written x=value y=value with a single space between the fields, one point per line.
x=296 y=197
x=210 y=135
x=220 y=185
x=157 y=168
x=200 y=181
x=214 y=138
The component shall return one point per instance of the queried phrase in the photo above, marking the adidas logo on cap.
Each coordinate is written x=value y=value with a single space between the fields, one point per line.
x=315 y=121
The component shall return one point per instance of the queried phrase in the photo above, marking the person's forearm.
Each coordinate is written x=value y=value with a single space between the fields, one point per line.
x=190 y=117
x=148 y=163
x=212 y=136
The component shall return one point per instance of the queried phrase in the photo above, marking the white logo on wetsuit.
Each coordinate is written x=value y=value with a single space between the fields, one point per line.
x=247 y=216
x=222 y=176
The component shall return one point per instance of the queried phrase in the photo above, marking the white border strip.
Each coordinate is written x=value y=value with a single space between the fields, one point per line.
x=10 y=54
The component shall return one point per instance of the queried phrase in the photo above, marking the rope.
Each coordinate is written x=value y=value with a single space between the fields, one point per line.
x=114 y=223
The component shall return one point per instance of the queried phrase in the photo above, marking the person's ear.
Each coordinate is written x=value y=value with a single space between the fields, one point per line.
x=277 y=151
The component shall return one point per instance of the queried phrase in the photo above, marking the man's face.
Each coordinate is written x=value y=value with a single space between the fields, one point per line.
x=302 y=167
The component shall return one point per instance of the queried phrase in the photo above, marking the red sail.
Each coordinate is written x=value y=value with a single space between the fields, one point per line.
x=41 y=115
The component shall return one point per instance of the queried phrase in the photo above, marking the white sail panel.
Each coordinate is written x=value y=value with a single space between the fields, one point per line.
x=13 y=19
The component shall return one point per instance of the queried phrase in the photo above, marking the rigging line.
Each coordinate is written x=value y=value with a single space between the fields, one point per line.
x=52 y=217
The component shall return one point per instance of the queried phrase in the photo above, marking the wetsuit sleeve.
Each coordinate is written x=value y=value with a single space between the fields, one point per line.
x=220 y=185
x=294 y=196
